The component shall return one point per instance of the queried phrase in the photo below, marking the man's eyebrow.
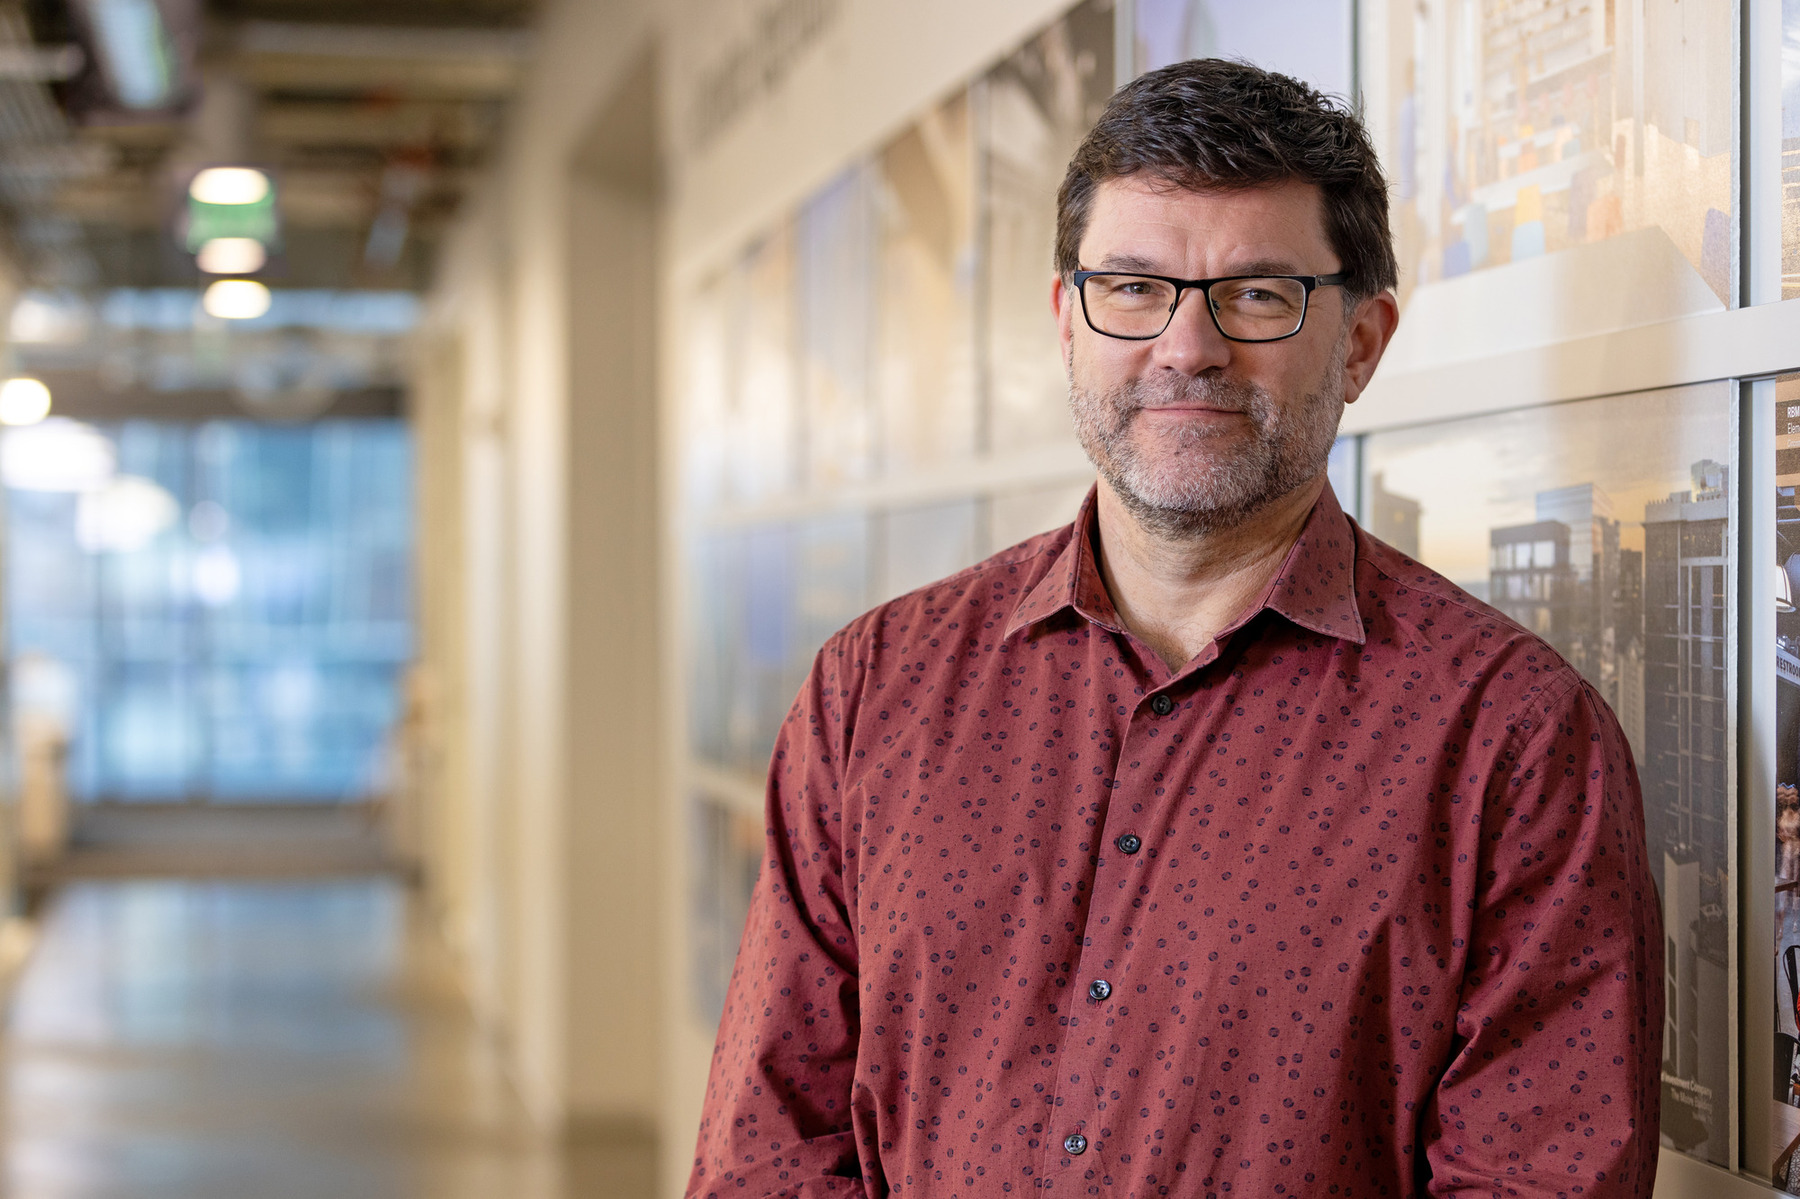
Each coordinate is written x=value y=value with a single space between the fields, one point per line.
x=1129 y=262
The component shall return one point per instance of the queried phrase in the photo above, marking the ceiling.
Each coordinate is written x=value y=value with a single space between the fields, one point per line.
x=372 y=116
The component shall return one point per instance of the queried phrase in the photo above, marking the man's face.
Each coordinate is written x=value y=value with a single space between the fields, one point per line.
x=1193 y=432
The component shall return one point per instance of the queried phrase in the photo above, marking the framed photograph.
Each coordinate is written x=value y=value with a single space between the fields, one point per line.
x=1554 y=171
x=1607 y=527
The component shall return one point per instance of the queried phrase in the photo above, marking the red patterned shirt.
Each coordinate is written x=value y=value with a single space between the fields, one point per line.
x=1355 y=903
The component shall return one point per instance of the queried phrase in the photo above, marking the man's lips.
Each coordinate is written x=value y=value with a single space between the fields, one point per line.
x=1192 y=408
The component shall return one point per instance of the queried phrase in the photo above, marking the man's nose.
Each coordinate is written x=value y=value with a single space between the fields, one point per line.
x=1192 y=343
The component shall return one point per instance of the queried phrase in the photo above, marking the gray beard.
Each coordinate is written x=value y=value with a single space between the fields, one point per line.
x=1188 y=486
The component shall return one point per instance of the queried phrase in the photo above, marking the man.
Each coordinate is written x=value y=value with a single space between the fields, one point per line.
x=1207 y=845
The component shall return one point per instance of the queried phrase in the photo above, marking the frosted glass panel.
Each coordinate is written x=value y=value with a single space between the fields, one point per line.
x=1040 y=103
x=708 y=376
x=1016 y=515
x=1308 y=39
x=833 y=582
x=727 y=854
x=248 y=644
x=921 y=545
x=745 y=644
x=836 y=291
x=762 y=420
x=1604 y=526
x=1584 y=150
x=925 y=372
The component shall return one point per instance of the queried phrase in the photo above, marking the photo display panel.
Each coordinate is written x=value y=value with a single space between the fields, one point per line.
x=1555 y=170
x=1605 y=527
x=925 y=335
x=1790 y=151
x=1039 y=104
x=1785 y=1113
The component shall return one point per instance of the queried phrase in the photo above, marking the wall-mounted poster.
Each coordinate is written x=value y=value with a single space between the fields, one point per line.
x=1585 y=148
x=925 y=330
x=1308 y=39
x=1605 y=527
x=1786 y=1111
x=1040 y=103
x=1790 y=149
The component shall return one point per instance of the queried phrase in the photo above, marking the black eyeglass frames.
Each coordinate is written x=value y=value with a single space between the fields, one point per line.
x=1244 y=307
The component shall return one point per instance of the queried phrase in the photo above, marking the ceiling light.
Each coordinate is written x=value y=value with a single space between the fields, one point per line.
x=23 y=401
x=232 y=256
x=230 y=185
x=236 y=300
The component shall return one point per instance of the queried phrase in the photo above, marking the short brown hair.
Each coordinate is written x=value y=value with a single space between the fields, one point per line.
x=1210 y=124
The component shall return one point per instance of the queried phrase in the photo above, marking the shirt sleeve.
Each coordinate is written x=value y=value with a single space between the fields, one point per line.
x=1556 y=1086
x=777 y=1118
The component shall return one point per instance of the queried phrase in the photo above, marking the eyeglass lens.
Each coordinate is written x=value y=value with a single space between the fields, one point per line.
x=1246 y=309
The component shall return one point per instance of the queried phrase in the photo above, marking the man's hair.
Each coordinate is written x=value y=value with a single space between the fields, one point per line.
x=1210 y=124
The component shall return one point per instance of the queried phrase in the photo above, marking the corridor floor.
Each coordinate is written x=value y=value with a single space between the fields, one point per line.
x=233 y=1039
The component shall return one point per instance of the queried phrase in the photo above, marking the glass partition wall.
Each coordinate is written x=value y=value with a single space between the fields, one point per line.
x=1580 y=421
x=215 y=612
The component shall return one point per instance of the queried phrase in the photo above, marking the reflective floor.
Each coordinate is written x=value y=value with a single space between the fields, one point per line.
x=234 y=1039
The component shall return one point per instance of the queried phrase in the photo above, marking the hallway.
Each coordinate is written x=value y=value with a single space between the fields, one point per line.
x=234 y=1038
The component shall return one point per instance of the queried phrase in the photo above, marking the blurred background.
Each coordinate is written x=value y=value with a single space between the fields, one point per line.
x=439 y=433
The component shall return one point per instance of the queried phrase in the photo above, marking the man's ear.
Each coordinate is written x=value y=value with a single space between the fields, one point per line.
x=1372 y=327
x=1062 y=302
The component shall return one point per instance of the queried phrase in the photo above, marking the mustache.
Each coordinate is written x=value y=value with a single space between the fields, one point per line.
x=1212 y=391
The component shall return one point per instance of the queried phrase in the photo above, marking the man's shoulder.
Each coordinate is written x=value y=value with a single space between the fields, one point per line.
x=1416 y=621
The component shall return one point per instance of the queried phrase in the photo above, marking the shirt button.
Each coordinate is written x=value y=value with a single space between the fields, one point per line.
x=1075 y=1144
x=1099 y=989
x=1162 y=705
x=1128 y=843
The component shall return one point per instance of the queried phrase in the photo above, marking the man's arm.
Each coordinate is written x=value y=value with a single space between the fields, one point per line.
x=777 y=1117
x=1557 y=1085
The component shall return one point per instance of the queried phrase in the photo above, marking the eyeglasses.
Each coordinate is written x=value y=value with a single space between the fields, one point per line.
x=1243 y=307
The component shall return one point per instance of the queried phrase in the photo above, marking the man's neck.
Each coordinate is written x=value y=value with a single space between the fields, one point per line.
x=1175 y=593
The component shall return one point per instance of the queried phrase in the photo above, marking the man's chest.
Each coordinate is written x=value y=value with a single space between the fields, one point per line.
x=1058 y=858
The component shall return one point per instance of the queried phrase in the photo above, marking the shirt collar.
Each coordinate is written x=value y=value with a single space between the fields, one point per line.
x=1315 y=587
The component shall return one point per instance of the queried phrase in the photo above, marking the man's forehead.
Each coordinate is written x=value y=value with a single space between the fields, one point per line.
x=1291 y=206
